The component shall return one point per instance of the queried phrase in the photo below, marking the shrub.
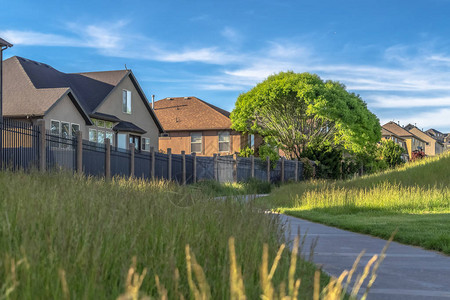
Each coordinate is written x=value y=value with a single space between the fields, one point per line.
x=417 y=154
x=246 y=152
x=391 y=153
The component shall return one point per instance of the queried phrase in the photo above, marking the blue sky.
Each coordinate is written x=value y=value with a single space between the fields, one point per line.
x=395 y=54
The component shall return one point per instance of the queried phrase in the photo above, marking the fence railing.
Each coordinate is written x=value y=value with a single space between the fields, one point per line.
x=26 y=146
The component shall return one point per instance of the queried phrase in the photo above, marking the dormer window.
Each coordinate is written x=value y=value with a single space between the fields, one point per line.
x=126 y=101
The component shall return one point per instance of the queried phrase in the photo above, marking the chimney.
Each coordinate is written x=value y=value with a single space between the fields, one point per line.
x=153 y=101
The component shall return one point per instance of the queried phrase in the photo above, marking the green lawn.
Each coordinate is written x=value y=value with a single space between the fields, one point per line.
x=66 y=236
x=415 y=199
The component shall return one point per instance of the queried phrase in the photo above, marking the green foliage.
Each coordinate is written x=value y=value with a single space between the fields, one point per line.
x=246 y=152
x=308 y=168
x=268 y=150
x=391 y=153
x=299 y=109
x=328 y=159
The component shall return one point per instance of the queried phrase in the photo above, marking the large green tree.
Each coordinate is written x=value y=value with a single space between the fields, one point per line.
x=300 y=109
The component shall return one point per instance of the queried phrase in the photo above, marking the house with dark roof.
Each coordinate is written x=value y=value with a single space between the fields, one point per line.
x=413 y=142
x=101 y=105
x=433 y=146
x=195 y=126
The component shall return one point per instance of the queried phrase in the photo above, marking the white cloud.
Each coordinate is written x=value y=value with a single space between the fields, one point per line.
x=231 y=35
x=33 y=38
x=388 y=101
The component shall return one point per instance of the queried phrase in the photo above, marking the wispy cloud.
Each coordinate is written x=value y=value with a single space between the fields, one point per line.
x=413 y=76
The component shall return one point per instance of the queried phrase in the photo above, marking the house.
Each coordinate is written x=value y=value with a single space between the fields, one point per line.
x=433 y=146
x=193 y=125
x=413 y=142
x=100 y=105
x=388 y=135
x=436 y=134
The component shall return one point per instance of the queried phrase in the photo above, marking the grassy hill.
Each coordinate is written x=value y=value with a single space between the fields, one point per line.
x=414 y=198
x=65 y=236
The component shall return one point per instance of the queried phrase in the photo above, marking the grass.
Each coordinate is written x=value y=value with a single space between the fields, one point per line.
x=414 y=198
x=67 y=237
x=216 y=189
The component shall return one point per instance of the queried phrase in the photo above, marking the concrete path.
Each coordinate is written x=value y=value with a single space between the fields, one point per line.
x=406 y=273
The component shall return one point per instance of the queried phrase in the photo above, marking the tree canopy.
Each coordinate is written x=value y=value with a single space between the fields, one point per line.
x=300 y=109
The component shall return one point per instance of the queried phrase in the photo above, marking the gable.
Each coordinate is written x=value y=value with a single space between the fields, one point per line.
x=141 y=115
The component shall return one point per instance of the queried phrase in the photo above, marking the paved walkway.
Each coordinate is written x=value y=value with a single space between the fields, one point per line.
x=406 y=273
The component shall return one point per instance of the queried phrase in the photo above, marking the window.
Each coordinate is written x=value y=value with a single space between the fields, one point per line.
x=224 y=141
x=122 y=140
x=196 y=142
x=110 y=136
x=136 y=140
x=126 y=101
x=145 y=144
x=251 y=141
x=101 y=123
x=101 y=137
x=54 y=127
x=93 y=135
x=75 y=129
x=109 y=125
x=65 y=134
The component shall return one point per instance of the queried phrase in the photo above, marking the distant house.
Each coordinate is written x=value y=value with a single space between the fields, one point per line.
x=413 y=142
x=433 y=146
x=193 y=125
x=101 y=105
x=436 y=134
x=388 y=135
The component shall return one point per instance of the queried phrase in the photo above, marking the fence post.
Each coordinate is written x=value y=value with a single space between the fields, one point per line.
x=268 y=169
x=131 y=147
x=79 y=152
x=252 y=163
x=296 y=170
x=42 y=145
x=152 y=161
x=194 y=163
x=216 y=177
x=235 y=168
x=169 y=164
x=183 y=164
x=282 y=169
x=107 y=159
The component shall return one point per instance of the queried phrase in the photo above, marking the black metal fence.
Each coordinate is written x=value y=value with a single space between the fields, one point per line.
x=26 y=146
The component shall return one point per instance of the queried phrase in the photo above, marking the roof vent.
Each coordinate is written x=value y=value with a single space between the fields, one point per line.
x=168 y=98
x=187 y=98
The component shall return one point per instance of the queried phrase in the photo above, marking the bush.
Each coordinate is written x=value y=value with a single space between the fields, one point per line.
x=270 y=151
x=329 y=159
x=417 y=154
x=308 y=168
x=246 y=152
x=391 y=153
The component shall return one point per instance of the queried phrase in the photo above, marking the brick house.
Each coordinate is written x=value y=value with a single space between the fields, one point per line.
x=195 y=126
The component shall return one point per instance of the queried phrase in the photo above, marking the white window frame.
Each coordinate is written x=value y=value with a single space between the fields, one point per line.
x=201 y=141
x=229 y=141
x=128 y=102
x=59 y=126
x=111 y=140
x=144 y=141
x=71 y=129
x=104 y=136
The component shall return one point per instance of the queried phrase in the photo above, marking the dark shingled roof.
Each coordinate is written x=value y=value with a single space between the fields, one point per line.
x=105 y=117
x=4 y=43
x=89 y=91
x=129 y=127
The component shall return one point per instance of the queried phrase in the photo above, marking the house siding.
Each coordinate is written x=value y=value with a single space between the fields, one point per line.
x=65 y=111
x=139 y=116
